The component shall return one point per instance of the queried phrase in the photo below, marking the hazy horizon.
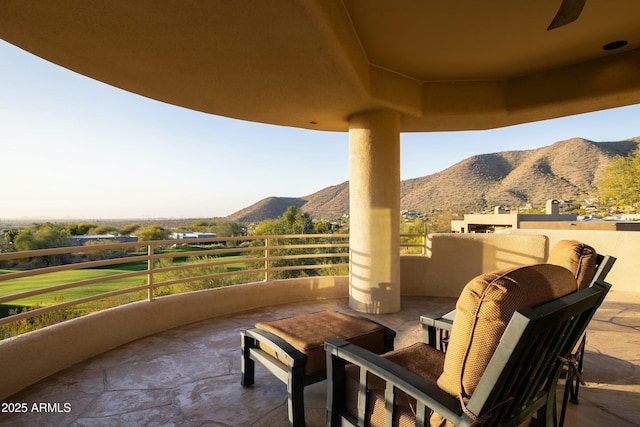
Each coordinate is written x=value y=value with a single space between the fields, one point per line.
x=75 y=148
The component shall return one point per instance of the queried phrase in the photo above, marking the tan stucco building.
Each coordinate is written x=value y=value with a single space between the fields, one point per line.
x=552 y=219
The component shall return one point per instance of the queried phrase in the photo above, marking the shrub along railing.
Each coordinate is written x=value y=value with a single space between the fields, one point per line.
x=42 y=287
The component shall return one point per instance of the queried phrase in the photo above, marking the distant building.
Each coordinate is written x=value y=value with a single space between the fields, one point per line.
x=412 y=215
x=551 y=220
x=83 y=240
x=192 y=235
x=183 y=235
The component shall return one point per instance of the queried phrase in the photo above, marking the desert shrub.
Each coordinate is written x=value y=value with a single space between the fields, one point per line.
x=194 y=278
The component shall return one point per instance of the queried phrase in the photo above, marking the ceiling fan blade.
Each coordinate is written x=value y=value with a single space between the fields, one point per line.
x=569 y=11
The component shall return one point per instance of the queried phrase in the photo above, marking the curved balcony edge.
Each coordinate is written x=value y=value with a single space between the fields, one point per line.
x=29 y=358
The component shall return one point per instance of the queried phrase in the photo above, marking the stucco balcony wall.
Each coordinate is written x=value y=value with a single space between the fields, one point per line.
x=28 y=358
x=454 y=259
x=624 y=245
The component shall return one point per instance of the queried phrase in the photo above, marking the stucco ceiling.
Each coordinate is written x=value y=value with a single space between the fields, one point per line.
x=444 y=65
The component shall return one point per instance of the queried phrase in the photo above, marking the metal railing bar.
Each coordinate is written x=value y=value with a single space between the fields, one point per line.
x=308 y=267
x=207 y=276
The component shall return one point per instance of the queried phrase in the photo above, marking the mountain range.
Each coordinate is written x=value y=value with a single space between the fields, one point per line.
x=564 y=170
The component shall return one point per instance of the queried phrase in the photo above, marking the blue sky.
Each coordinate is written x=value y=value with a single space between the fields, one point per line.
x=72 y=147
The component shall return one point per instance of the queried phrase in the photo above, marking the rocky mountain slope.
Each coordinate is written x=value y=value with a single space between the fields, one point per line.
x=564 y=170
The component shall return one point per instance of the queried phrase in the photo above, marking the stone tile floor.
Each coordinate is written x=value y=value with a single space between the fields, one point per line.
x=190 y=376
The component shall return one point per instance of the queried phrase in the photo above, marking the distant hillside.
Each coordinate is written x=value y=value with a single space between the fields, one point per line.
x=271 y=207
x=564 y=170
x=328 y=203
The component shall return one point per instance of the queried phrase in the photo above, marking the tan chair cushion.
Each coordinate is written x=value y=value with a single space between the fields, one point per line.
x=483 y=311
x=419 y=358
x=308 y=332
x=577 y=257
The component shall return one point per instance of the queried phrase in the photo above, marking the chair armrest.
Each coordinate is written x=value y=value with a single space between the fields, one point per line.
x=435 y=329
x=436 y=321
x=293 y=356
x=341 y=352
x=604 y=264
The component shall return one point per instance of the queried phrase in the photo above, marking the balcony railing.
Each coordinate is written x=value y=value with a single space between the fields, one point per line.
x=413 y=243
x=128 y=272
x=42 y=287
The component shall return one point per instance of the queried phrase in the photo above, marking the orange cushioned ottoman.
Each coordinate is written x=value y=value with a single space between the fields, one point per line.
x=293 y=349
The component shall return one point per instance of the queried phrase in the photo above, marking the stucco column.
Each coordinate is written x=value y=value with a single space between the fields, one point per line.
x=374 y=197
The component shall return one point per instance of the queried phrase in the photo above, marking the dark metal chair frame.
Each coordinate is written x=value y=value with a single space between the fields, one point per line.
x=520 y=380
x=436 y=329
x=293 y=372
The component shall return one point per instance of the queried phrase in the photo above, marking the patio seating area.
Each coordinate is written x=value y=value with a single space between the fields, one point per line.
x=375 y=72
x=190 y=376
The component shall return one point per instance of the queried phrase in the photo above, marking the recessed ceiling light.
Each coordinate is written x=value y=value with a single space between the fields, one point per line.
x=615 y=45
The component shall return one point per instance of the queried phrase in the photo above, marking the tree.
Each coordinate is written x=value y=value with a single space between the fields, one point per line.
x=6 y=240
x=620 y=182
x=127 y=230
x=202 y=226
x=270 y=227
x=10 y=235
x=440 y=222
x=293 y=221
x=80 y=229
x=104 y=229
x=230 y=229
x=298 y=221
x=152 y=232
x=41 y=236
x=323 y=227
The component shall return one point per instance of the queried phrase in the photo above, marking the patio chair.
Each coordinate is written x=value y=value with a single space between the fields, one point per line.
x=493 y=373
x=587 y=266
